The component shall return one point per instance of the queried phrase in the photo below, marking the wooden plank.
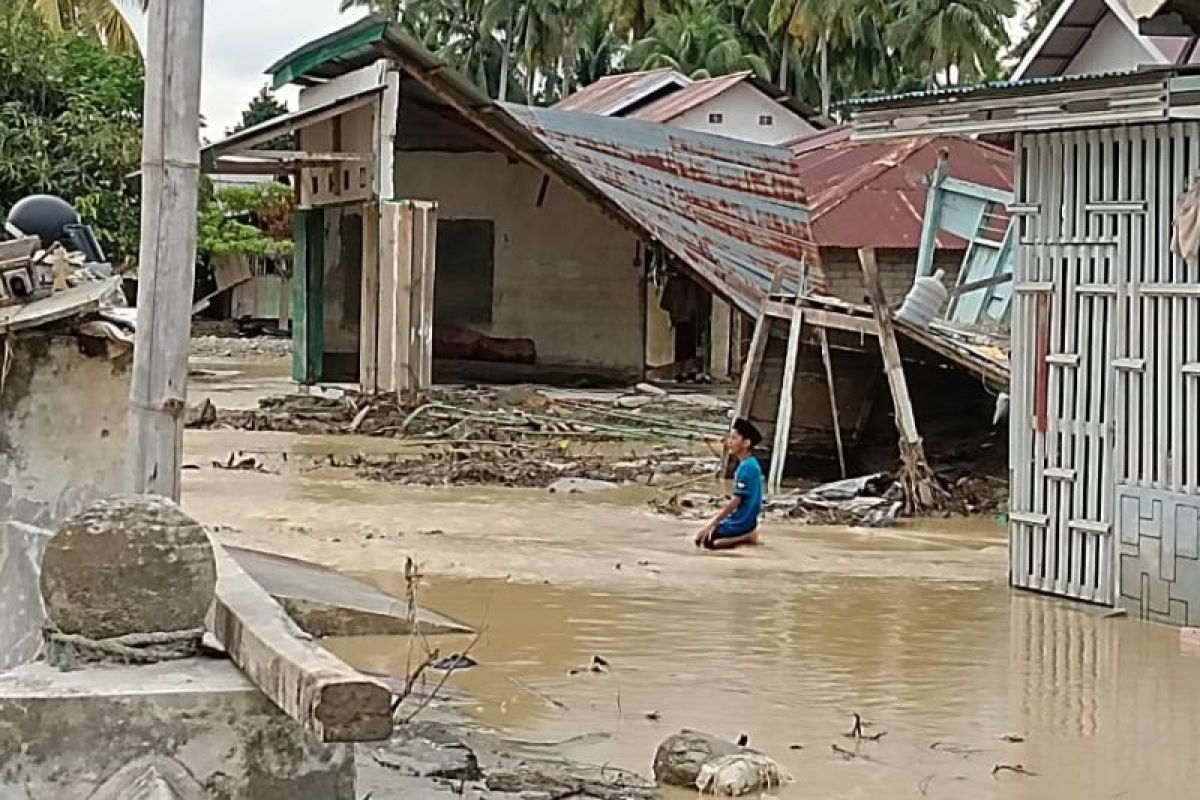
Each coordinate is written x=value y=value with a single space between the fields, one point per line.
x=1134 y=351
x=1063 y=359
x=1163 y=335
x=1175 y=307
x=1060 y=474
x=389 y=232
x=368 y=353
x=329 y=699
x=83 y=299
x=985 y=283
x=1171 y=290
x=1089 y=526
x=783 y=421
x=833 y=406
x=1033 y=519
x=308 y=297
x=1034 y=287
x=425 y=261
x=1018 y=428
x=754 y=359
x=826 y=319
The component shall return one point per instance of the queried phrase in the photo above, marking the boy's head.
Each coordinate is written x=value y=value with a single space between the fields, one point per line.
x=743 y=438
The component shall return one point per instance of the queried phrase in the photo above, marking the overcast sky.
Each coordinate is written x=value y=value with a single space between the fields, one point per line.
x=242 y=38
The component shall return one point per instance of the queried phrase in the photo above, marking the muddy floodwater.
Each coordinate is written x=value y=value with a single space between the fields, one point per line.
x=913 y=628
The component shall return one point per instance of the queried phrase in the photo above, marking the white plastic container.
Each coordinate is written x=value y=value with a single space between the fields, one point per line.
x=924 y=301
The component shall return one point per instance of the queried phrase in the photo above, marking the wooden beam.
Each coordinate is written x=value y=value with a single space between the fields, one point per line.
x=754 y=359
x=833 y=407
x=783 y=421
x=820 y=318
x=329 y=699
x=985 y=283
x=920 y=487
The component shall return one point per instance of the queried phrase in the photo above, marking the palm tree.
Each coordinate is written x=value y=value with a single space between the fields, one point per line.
x=634 y=17
x=102 y=20
x=957 y=39
x=599 y=49
x=820 y=25
x=534 y=31
x=696 y=41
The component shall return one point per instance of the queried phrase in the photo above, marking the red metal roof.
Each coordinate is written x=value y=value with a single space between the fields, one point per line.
x=872 y=194
x=684 y=100
x=611 y=93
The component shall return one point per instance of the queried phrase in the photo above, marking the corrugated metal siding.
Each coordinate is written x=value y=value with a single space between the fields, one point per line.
x=872 y=194
x=735 y=212
x=684 y=100
x=611 y=93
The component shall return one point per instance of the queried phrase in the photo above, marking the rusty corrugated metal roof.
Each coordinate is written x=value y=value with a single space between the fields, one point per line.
x=684 y=100
x=872 y=193
x=733 y=211
x=613 y=93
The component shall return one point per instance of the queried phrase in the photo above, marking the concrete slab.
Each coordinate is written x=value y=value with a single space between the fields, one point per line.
x=325 y=602
x=76 y=734
x=21 y=610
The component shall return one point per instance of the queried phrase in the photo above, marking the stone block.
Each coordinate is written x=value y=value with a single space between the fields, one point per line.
x=114 y=731
x=129 y=564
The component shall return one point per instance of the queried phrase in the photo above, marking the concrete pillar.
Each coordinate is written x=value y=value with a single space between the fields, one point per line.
x=660 y=334
x=720 y=336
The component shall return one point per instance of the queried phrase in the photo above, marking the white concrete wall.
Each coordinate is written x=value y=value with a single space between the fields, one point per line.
x=565 y=273
x=1111 y=48
x=63 y=429
x=741 y=107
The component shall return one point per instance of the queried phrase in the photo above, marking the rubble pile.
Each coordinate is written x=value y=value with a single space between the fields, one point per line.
x=517 y=414
x=551 y=468
x=252 y=348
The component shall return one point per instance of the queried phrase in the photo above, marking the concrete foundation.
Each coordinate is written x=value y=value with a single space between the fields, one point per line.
x=63 y=428
x=187 y=729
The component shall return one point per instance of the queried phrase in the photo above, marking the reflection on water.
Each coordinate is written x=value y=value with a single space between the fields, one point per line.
x=1106 y=707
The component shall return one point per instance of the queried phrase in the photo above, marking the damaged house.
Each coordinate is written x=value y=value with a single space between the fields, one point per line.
x=542 y=239
x=663 y=240
x=1105 y=414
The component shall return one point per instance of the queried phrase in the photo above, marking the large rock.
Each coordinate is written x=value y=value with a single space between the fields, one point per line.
x=680 y=757
x=128 y=564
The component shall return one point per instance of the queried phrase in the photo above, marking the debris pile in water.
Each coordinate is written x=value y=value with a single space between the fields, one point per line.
x=491 y=414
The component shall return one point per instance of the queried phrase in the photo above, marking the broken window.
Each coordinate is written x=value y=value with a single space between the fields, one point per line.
x=465 y=271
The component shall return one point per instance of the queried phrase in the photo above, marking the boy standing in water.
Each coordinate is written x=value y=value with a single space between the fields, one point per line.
x=737 y=523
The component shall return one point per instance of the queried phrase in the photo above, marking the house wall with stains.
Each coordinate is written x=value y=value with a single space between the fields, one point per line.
x=563 y=273
x=63 y=427
x=897 y=271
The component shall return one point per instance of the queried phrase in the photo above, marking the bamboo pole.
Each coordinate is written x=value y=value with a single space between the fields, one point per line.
x=170 y=177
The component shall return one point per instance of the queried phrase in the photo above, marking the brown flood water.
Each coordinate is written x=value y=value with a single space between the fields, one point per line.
x=913 y=628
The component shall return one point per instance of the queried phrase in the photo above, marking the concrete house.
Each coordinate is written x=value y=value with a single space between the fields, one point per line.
x=556 y=234
x=740 y=105
x=1092 y=37
x=1104 y=432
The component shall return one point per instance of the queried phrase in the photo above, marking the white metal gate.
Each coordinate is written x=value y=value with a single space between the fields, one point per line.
x=1106 y=345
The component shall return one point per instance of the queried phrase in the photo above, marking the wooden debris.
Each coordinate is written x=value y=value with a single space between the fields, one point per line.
x=922 y=494
x=1016 y=769
x=332 y=701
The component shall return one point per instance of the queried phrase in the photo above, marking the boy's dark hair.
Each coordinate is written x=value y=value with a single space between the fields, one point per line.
x=745 y=428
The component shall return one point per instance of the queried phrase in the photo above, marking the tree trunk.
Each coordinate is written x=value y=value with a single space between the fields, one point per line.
x=783 y=64
x=826 y=86
x=506 y=59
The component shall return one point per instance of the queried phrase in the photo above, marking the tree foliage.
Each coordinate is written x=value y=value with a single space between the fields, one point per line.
x=250 y=220
x=263 y=108
x=822 y=51
x=70 y=125
x=103 y=21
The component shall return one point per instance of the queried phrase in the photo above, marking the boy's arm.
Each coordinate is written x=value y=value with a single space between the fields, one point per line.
x=726 y=511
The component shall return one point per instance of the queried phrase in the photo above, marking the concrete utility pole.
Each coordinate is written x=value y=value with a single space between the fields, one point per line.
x=170 y=183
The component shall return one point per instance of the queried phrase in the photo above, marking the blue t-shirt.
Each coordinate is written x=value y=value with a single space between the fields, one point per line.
x=748 y=485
